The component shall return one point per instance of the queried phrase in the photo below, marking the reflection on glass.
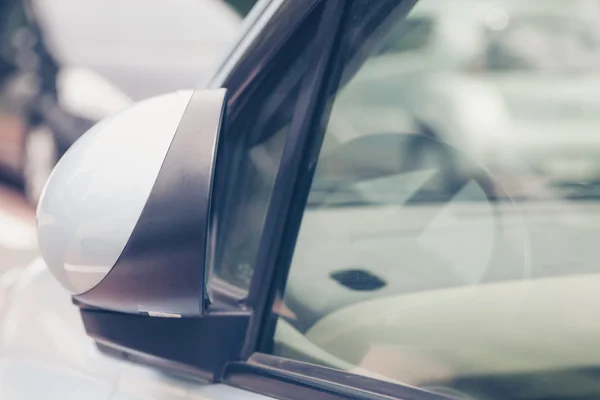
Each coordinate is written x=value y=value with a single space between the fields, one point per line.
x=450 y=235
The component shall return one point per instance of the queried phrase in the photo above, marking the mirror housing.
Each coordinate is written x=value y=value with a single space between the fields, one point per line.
x=124 y=217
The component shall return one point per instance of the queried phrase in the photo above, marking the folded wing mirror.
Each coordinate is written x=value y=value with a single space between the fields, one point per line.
x=123 y=219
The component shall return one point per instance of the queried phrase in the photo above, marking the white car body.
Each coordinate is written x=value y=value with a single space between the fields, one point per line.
x=45 y=353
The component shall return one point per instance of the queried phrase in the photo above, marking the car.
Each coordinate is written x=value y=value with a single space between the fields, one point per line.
x=66 y=66
x=279 y=235
x=478 y=74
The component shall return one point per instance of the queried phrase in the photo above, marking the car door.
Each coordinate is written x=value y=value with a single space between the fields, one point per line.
x=380 y=264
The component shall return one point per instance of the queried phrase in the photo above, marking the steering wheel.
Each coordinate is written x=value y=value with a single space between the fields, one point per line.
x=435 y=222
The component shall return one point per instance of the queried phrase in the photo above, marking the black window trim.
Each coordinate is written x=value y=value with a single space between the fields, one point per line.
x=307 y=113
x=252 y=62
x=288 y=379
x=252 y=26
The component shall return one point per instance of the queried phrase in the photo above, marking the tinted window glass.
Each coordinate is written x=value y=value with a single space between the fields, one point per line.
x=256 y=131
x=449 y=239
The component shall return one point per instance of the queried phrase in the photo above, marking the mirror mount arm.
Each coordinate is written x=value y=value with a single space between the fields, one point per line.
x=194 y=347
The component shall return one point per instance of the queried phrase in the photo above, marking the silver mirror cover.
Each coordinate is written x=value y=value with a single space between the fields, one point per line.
x=115 y=204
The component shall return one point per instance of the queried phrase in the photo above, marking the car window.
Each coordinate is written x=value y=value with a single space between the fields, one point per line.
x=449 y=238
x=257 y=127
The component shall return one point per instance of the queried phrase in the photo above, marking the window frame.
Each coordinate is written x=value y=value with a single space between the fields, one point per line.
x=248 y=63
x=308 y=113
x=284 y=378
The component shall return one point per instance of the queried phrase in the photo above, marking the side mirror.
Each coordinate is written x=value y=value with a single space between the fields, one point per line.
x=123 y=219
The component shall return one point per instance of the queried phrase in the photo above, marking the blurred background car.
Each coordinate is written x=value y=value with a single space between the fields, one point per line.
x=517 y=80
x=65 y=64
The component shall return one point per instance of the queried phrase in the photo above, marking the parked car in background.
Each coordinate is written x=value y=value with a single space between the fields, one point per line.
x=291 y=230
x=69 y=64
x=484 y=75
